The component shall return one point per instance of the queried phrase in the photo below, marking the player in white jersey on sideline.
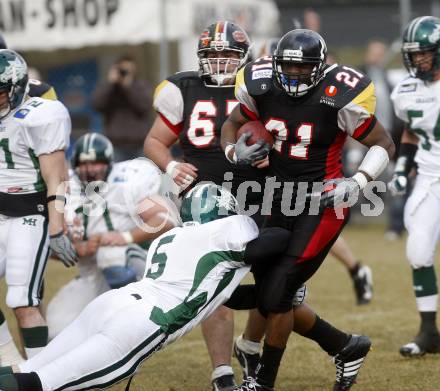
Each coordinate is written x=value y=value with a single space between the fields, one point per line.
x=113 y=227
x=416 y=101
x=34 y=133
x=191 y=270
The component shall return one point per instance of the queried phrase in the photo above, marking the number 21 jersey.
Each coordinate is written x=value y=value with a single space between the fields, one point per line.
x=309 y=131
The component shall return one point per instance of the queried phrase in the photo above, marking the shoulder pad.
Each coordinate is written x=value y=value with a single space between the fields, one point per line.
x=180 y=77
x=37 y=111
x=409 y=84
x=258 y=76
x=39 y=88
x=343 y=84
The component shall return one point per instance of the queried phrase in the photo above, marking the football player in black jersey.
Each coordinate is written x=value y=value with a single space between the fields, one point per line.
x=310 y=108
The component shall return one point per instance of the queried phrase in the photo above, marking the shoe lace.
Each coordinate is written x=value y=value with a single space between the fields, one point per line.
x=250 y=384
x=343 y=381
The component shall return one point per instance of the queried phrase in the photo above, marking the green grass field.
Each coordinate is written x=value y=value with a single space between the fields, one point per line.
x=390 y=320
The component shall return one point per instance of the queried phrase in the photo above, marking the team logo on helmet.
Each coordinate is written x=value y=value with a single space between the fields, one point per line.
x=239 y=36
x=434 y=37
x=205 y=39
x=14 y=71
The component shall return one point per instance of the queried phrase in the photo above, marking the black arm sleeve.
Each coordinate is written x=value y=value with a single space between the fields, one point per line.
x=270 y=243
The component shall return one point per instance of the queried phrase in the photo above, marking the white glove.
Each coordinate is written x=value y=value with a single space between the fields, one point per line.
x=397 y=184
x=61 y=245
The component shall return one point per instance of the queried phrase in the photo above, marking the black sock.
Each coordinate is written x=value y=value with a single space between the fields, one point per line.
x=267 y=370
x=428 y=325
x=354 y=271
x=28 y=382
x=328 y=337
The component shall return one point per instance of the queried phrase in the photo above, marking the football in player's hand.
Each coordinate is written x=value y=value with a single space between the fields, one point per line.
x=258 y=132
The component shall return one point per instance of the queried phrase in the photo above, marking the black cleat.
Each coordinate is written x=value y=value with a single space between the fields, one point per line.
x=224 y=383
x=363 y=285
x=349 y=360
x=422 y=344
x=248 y=362
x=250 y=384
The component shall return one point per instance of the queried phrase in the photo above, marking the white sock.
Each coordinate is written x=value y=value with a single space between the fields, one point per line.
x=221 y=370
x=31 y=352
x=247 y=346
x=427 y=303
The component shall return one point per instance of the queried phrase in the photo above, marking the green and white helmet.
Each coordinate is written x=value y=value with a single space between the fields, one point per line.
x=421 y=35
x=93 y=147
x=13 y=79
x=207 y=202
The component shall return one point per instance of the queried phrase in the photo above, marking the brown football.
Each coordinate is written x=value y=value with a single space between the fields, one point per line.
x=258 y=132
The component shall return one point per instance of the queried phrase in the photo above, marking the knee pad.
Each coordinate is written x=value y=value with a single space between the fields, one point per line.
x=420 y=250
x=119 y=276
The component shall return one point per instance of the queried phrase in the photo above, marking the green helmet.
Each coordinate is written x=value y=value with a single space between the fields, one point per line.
x=13 y=79
x=93 y=147
x=421 y=35
x=207 y=202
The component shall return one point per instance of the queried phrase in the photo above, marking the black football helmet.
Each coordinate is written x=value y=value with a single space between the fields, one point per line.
x=299 y=46
x=222 y=36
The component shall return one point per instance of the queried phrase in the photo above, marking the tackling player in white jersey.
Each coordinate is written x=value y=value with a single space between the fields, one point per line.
x=116 y=220
x=416 y=101
x=124 y=327
x=34 y=133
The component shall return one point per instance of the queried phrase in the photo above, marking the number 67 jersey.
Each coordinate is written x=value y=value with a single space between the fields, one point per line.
x=309 y=131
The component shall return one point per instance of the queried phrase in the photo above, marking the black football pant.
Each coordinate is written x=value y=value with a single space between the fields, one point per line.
x=312 y=237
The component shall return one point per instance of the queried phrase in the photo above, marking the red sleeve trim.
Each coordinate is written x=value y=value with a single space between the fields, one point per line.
x=176 y=129
x=364 y=130
x=248 y=113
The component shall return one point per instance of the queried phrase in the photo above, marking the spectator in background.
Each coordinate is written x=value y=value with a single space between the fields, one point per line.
x=125 y=102
x=312 y=20
x=374 y=67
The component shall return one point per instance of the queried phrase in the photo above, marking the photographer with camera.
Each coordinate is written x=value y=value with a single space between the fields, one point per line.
x=125 y=103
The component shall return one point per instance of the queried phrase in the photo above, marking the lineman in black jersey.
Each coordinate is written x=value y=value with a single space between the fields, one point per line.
x=310 y=108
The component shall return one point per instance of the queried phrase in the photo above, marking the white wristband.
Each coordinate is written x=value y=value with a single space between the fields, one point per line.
x=170 y=167
x=128 y=237
x=234 y=156
x=361 y=179
x=375 y=161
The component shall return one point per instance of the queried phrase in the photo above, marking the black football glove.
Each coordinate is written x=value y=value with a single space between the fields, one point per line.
x=247 y=154
x=343 y=191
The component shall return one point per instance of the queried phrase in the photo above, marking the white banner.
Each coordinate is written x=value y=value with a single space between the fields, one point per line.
x=56 y=24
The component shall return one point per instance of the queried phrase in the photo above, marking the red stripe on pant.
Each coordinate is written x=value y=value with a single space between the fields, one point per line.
x=329 y=226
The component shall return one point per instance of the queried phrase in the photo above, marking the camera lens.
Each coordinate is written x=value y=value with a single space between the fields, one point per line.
x=123 y=72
